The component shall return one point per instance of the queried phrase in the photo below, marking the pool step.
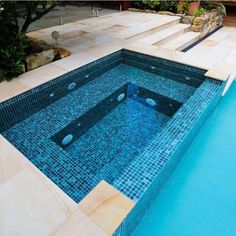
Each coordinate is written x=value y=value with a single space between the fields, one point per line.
x=164 y=24
x=183 y=41
x=165 y=35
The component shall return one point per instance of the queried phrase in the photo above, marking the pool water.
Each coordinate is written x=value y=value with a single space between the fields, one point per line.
x=199 y=199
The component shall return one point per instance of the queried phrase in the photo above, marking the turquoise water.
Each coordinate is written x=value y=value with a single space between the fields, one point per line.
x=200 y=198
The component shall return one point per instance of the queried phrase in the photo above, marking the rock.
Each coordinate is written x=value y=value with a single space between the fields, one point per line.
x=40 y=53
x=166 y=13
x=207 y=22
x=62 y=52
x=200 y=20
x=180 y=14
x=187 y=19
x=142 y=10
x=37 y=46
x=197 y=28
x=133 y=9
x=39 y=59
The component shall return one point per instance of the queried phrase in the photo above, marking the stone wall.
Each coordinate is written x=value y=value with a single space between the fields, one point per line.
x=39 y=59
x=207 y=22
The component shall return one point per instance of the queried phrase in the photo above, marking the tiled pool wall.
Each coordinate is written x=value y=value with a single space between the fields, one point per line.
x=189 y=75
x=195 y=113
x=24 y=105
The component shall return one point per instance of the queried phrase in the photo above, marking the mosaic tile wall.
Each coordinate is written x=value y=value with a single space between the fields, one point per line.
x=26 y=104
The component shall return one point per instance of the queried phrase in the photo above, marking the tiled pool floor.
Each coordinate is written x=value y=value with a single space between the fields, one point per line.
x=108 y=147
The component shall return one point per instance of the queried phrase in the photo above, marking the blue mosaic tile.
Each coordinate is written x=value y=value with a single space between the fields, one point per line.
x=129 y=145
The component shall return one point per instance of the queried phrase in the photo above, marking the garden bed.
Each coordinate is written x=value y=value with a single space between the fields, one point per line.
x=203 y=16
x=18 y=52
x=39 y=53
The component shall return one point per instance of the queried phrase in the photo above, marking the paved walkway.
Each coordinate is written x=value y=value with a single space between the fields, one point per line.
x=136 y=30
x=108 y=30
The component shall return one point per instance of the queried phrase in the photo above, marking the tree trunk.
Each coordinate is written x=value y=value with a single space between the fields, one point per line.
x=30 y=9
x=25 y=25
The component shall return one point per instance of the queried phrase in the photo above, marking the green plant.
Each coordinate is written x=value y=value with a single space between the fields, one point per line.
x=163 y=5
x=8 y=20
x=185 y=6
x=206 y=5
x=13 y=40
x=200 y=11
x=137 y=4
x=12 y=56
x=222 y=9
x=173 y=6
x=151 y=4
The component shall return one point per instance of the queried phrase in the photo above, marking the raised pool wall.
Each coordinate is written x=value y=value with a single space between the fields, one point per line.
x=140 y=208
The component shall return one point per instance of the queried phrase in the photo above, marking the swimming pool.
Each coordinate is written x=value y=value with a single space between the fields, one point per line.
x=126 y=118
x=200 y=197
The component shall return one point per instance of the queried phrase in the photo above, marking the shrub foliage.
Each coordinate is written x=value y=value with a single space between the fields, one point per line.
x=13 y=39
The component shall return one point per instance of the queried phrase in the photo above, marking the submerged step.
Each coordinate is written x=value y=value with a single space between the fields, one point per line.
x=164 y=35
x=182 y=41
x=82 y=124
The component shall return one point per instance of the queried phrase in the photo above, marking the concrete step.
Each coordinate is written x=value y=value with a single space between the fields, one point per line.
x=165 y=35
x=182 y=41
x=160 y=25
